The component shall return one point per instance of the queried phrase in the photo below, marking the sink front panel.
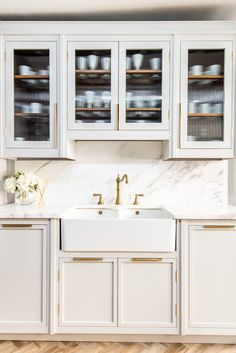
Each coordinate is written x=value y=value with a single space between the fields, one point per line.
x=151 y=235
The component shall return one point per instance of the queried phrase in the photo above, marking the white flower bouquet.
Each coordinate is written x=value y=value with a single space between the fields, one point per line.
x=24 y=185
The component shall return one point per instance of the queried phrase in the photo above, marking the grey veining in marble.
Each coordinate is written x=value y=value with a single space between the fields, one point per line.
x=97 y=164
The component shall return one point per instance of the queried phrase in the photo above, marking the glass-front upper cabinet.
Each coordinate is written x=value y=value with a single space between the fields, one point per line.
x=144 y=85
x=31 y=95
x=92 y=85
x=205 y=110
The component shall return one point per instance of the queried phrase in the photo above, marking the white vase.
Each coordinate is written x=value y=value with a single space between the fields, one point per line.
x=26 y=198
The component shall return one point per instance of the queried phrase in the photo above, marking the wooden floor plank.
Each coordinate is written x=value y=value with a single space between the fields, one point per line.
x=106 y=347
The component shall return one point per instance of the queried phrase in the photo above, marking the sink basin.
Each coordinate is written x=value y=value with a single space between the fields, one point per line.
x=125 y=229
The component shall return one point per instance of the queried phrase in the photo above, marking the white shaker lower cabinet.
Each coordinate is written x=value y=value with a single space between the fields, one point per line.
x=87 y=293
x=148 y=294
x=23 y=277
x=209 y=278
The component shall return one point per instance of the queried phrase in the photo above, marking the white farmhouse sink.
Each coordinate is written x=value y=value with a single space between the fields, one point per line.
x=107 y=229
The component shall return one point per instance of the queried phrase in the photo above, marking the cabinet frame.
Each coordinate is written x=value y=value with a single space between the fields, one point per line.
x=185 y=46
x=25 y=326
x=81 y=44
x=76 y=326
x=31 y=148
x=164 y=45
x=174 y=309
x=187 y=326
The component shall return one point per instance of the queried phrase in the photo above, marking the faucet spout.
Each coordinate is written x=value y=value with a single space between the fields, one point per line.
x=118 y=192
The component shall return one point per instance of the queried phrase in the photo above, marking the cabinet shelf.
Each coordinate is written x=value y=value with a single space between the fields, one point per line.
x=98 y=72
x=30 y=77
x=205 y=77
x=143 y=71
x=32 y=115
x=142 y=109
x=92 y=109
x=201 y=115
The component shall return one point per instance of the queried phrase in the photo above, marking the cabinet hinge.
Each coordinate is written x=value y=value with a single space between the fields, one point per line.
x=5 y=132
x=58 y=276
x=5 y=56
x=169 y=114
x=176 y=276
x=58 y=309
x=176 y=309
x=232 y=55
x=169 y=55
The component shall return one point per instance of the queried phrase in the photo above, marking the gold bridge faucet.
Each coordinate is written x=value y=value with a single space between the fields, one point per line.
x=118 y=181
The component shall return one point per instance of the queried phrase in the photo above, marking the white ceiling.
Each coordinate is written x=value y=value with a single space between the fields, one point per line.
x=99 y=7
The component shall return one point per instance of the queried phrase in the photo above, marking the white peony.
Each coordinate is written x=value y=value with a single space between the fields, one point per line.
x=10 y=185
x=21 y=183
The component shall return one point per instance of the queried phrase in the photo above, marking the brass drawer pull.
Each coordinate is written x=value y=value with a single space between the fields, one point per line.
x=144 y=259
x=227 y=226
x=87 y=259
x=17 y=225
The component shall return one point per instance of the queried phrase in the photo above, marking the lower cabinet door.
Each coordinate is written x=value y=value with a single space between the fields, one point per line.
x=148 y=293
x=211 y=268
x=87 y=294
x=23 y=277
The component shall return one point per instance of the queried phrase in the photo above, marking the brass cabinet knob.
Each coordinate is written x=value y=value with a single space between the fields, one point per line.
x=100 y=200
x=136 y=198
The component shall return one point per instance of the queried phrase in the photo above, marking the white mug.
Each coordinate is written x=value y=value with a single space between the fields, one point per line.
x=106 y=63
x=129 y=97
x=137 y=61
x=97 y=102
x=92 y=61
x=196 y=70
x=25 y=108
x=35 y=108
x=106 y=97
x=205 y=108
x=193 y=107
x=218 y=108
x=155 y=63
x=81 y=62
x=89 y=98
x=214 y=69
x=24 y=70
x=128 y=62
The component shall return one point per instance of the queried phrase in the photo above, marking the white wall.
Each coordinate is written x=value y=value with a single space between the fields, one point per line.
x=163 y=182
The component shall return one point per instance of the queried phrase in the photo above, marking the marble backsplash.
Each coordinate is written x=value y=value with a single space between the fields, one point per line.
x=6 y=169
x=193 y=183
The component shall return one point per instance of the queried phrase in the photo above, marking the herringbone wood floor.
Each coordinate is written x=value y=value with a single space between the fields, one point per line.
x=104 y=347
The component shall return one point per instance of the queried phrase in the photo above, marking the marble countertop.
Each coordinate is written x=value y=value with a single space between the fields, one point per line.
x=53 y=211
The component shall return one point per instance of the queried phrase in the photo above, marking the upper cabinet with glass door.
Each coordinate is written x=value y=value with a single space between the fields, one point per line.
x=144 y=85
x=31 y=99
x=206 y=95
x=92 y=85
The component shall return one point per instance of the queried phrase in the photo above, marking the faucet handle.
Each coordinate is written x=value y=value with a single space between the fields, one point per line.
x=100 y=200
x=136 y=198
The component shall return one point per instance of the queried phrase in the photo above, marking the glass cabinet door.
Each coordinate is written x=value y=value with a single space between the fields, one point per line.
x=31 y=94
x=206 y=95
x=92 y=85
x=144 y=85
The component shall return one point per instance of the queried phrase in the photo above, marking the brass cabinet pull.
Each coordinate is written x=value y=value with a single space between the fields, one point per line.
x=227 y=226
x=17 y=225
x=87 y=259
x=144 y=259
x=55 y=124
x=118 y=116
x=180 y=125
